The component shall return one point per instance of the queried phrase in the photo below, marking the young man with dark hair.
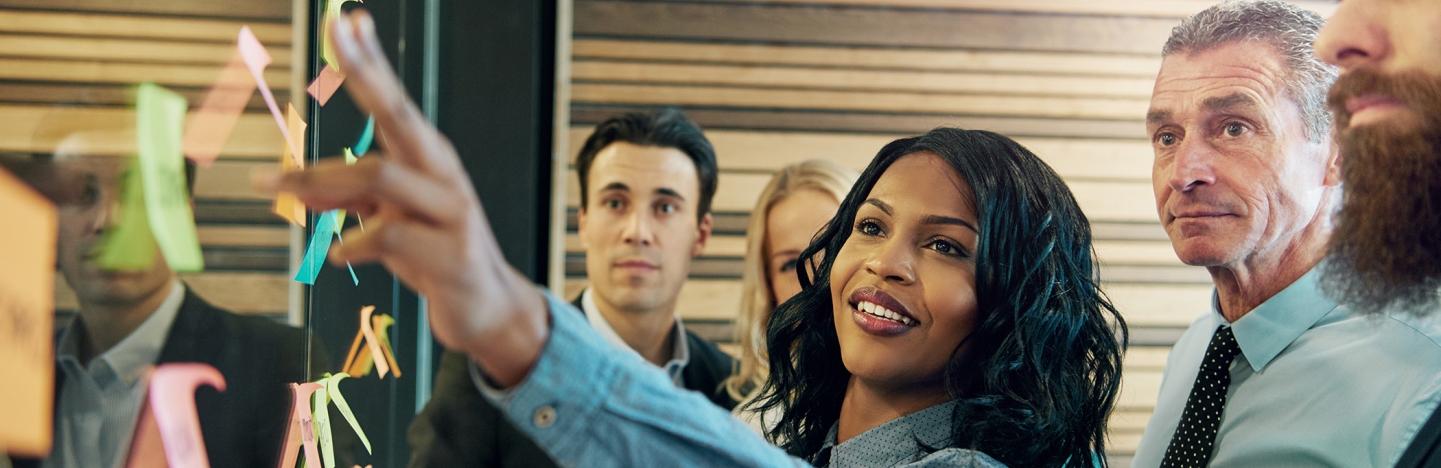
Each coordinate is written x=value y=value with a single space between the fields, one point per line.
x=647 y=181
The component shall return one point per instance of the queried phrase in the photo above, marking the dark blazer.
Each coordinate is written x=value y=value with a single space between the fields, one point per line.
x=1425 y=449
x=460 y=428
x=244 y=425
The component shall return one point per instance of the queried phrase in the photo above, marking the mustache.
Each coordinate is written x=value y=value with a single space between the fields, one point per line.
x=1414 y=88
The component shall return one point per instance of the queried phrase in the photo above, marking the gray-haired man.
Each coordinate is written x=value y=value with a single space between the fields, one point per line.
x=1247 y=179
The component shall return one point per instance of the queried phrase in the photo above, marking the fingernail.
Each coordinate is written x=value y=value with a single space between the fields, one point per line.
x=266 y=180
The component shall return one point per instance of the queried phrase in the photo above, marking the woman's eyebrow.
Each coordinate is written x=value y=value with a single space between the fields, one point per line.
x=880 y=204
x=938 y=219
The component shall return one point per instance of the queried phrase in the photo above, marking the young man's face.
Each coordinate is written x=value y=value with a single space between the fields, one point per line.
x=82 y=226
x=639 y=227
x=1387 y=103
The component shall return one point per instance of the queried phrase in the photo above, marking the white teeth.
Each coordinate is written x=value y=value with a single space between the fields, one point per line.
x=882 y=312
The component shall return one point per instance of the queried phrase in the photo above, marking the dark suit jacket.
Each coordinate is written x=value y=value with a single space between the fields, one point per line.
x=460 y=428
x=1425 y=449
x=244 y=425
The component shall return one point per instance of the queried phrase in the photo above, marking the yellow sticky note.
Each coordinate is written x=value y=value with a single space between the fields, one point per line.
x=27 y=243
x=286 y=205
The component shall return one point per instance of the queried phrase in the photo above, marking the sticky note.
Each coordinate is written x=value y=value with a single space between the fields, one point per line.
x=256 y=59
x=325 y=84
x=330 y=391
x=318 y=248
x=210 y=126
x=129 y=246
x=172 y=401
x=300 y=432
x=367 y=136
x=380 y=324
x=146 y=448
x=332 y=14
x=159 y=117
x=339 y=226
x=333 y=387
x=27 y=285
x=286 y=204
x=376 y=350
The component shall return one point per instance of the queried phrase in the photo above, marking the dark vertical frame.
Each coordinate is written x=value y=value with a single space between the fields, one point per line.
x=490 y=72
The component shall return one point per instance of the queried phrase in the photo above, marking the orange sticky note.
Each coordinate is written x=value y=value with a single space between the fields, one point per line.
x=209 y=127
x=172 y=401
x=376 y=351
x=256 y=59
x=286 y=205
x=27 y=359
x=301 y=430
x=325 y=85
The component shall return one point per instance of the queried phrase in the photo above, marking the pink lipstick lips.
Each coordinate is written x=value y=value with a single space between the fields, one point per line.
x=878 y=313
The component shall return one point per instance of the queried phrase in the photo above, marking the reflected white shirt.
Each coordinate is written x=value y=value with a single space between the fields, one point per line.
x=680 y=353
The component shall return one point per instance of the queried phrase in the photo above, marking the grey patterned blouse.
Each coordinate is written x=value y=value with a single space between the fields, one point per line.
x=898 y=444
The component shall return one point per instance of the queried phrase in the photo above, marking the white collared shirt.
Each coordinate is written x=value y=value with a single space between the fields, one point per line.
x=99 y=404
x=680 y=354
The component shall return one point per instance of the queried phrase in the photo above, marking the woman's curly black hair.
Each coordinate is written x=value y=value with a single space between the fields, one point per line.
x=1042 y=369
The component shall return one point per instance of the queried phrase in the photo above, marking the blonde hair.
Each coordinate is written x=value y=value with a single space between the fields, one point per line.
x=756 y=300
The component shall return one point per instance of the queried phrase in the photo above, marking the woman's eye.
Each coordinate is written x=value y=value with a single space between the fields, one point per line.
x=947 y=248
x=1166 y=139
x=788 y=266
x=868 y=228
x=1235 y=129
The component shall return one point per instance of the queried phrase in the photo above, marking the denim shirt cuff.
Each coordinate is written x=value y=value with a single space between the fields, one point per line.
x=569 y=382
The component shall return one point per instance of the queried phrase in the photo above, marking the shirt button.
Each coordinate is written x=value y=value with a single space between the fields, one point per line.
x=544 y=417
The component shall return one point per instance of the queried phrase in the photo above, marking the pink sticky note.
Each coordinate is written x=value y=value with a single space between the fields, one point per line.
x=172 y=400
x=325 y=85
x=146 y=449
x=209 y=127
x=301 y=429
x=372 y=342
x=256 y=59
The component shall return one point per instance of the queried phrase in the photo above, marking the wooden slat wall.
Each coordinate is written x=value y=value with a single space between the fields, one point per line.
x=782 y=81
x=76 y=61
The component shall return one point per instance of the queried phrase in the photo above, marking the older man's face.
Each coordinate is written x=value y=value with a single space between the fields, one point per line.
x=1236 y=177
x=1386 y=250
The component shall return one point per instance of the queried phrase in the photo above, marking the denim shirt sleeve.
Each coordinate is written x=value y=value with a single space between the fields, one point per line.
x=588 y=403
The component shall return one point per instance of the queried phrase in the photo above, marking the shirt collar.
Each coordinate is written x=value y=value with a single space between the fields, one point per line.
x=895 y=442
x=1269 y=328
x=141 y=348
x=680 y=353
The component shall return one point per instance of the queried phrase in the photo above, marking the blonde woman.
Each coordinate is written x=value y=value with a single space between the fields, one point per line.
x=797 y=203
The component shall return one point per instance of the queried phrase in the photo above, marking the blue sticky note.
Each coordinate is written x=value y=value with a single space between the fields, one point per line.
x=319 y=246
x=340 y=224
x=366 y=137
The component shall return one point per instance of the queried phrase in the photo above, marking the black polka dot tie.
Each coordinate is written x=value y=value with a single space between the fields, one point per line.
x=1196 y=434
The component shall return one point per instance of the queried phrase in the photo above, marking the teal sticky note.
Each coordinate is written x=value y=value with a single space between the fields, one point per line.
x=366 y=137
x=319 y=247
x=340 y=225
x=129 y=245
x=159 y=125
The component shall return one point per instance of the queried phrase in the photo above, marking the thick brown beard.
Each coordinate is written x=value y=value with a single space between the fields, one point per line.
x=1385 y=252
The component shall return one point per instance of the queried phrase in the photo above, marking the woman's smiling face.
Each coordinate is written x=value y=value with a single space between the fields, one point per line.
x=904 y=284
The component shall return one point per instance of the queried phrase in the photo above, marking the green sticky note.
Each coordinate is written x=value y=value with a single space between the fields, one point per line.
x=320 y=418
x=129 y=245
x=159 y=122
x=334 y=388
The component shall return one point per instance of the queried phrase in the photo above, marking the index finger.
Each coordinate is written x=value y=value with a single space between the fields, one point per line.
x=371 y=83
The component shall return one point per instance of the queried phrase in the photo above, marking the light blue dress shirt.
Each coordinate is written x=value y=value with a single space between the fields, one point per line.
x=1314 y=385
x=101 y=400
x=590 y=404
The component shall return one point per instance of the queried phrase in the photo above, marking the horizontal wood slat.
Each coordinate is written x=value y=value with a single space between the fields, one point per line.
x=874 y=122
x=254 y=137
x=149 y=27
x=772 y=150
x=67 y=71
x=244 y=236
x=792 y=77
x=1164 y=9
x=807 y=25
x=871 y=57
x=112 y=49
x=971 y=104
